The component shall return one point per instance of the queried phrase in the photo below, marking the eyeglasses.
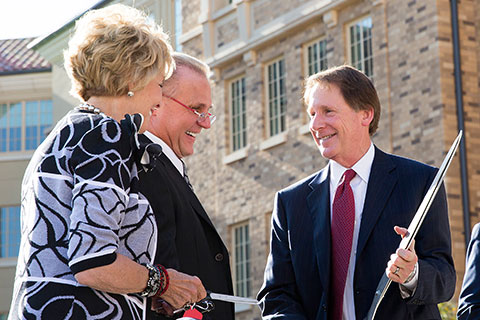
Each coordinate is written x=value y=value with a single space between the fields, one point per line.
x=201 y=116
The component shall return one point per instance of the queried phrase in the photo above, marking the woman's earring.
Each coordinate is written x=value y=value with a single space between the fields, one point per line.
x=130 y=93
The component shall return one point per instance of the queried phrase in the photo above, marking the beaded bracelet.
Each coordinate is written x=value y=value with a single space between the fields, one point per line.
x=164 y=280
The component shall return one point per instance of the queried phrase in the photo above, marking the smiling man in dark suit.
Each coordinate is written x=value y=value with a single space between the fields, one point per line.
x=189 y=247
x=336 y=232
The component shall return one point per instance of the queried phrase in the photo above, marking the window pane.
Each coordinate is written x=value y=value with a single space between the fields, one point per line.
x=9 y=231
x=31 y=123
x=3 y=127
x=317 y=57
x=242 y=261
x=238 y=113
x=23 y=126
x=361 y=54
x=276 y=98
x=15 y=127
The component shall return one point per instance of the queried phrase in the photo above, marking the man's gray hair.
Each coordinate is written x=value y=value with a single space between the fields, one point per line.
x=192 y=63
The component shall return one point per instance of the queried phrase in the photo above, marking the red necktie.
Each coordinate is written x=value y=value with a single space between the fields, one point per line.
x=343 y=220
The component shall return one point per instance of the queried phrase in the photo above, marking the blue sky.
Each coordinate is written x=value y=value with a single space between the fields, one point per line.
x=32 y=18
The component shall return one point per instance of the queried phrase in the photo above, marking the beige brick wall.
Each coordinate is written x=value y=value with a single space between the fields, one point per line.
x=266 y=10
x=191 y=11
x=227 y=31
x=413 y=73
x=469 y=26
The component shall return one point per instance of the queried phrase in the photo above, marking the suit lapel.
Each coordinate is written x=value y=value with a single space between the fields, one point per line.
x=185 y=189
x=178 y=180
x=318 y=202
x=382 y=180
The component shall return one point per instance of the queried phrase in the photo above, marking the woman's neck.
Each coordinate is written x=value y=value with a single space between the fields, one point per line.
x=111 y=106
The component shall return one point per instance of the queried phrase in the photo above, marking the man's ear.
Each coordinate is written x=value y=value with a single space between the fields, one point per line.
x=367 y=116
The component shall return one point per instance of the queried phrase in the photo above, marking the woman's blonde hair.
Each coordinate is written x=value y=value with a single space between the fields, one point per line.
x=114 y=50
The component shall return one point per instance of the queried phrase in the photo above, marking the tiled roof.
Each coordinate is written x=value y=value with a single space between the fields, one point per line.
x=15 y=57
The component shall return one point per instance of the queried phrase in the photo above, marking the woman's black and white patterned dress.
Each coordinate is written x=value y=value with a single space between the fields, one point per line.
x=80 y=206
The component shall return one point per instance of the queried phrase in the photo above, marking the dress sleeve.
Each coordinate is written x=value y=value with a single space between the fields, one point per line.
x=102 y=164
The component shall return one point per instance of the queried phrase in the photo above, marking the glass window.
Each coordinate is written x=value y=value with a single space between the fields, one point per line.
x=360 y=39
x=276 y=97
x=241 y=263
x=24 y=125
x=9 y=231
x=316 y=56
x=238 y=114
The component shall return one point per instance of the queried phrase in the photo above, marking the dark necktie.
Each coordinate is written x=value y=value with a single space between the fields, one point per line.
x=185 y=176
x=343 y=220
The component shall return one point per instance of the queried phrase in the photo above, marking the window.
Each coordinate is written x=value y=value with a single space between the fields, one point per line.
x=23 y=125
x=316 y=56
x=360 y=40
x=276 y=97
x=241 y=263
x=9 y=231
x=238 y=114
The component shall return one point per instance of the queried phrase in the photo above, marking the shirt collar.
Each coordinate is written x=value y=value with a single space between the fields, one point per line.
x=167 y=151
x=362 y=167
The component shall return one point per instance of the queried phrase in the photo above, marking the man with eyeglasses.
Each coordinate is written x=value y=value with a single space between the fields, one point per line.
x=189 y=247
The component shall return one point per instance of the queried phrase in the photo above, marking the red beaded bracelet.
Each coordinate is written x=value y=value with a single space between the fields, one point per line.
x=165 y=280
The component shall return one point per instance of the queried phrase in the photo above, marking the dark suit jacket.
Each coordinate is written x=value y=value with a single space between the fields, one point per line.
x=187 y=239
x=298 y=269
x=469 y=300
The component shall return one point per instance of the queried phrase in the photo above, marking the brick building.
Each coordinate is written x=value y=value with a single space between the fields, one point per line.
x=261 y=50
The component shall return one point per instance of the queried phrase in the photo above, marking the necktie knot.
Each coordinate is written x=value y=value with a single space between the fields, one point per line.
x=349 y=175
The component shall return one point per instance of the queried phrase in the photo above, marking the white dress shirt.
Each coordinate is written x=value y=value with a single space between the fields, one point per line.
x=359 y=187
x=167 y=151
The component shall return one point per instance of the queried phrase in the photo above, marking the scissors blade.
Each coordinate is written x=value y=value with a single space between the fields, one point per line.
x=232 y=299
x=416 y=222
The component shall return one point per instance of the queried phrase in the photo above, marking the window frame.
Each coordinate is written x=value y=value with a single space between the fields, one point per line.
x=278 y=85
x=306 y=55
x=246 y=248
x=242 y=116
x=364 y=61
x=24 y=125
x=9 y=228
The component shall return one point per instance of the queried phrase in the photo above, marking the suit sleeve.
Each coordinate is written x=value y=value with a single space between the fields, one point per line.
x=278 y=296
x=469 y=301
x=436 y=279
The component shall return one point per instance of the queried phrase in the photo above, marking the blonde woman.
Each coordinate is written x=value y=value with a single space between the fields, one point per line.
x=88 y=236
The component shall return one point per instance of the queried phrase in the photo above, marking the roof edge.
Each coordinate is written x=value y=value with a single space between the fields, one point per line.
x=42 y=39
x=9 y=73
